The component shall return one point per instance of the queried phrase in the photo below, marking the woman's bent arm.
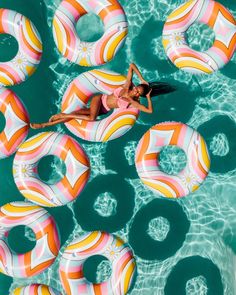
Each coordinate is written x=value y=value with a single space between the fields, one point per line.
x=133 y=68
x=148 y=109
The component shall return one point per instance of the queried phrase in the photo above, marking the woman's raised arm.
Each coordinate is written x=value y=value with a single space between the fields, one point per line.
x=133 y=68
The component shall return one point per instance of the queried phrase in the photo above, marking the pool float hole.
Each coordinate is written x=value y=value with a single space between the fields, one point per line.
x=94 y=27
x=8 y=47
x=51 y=169
x=172 y=160
x=21 y=239
x=200 y=37
x=219 y=145
x=158 y=228
x=97 y=269
x=105 y=205
x=2 y=122
x=196 y=286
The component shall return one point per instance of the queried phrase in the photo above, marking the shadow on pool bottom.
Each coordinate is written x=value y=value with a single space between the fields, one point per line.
x=193 y=267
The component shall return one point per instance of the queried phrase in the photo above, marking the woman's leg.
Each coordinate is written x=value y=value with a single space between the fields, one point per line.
x=47 y=124
x=94 y=110
x=90 y=114
x=95 y=107
x=85 y=111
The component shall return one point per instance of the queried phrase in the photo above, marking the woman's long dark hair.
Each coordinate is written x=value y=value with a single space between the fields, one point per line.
x=157 y=88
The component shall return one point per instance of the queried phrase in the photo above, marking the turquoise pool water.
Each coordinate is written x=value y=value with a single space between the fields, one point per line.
x=184 y=246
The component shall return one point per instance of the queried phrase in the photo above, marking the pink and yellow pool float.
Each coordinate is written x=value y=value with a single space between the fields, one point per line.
x=78 y=95
x=47 y=239
x=208 y=12
x=25 y=169
x=89 y=53
x=29 y=53
x=35 y=289
x=16 y=122
x=147 y=164
x=97 y=243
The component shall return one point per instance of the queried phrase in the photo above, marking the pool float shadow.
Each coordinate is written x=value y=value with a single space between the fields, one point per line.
x=90 y=219
x=63 y=216
x=177 y=106
x=146 y=247
x=229 y=70
x=5 y=283
x=192 y=267
x=144 y=54
x=7 y=181
x=225 y=125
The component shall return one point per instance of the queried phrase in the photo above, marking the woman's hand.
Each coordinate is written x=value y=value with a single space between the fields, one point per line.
x=148 y=95
x=144 y=82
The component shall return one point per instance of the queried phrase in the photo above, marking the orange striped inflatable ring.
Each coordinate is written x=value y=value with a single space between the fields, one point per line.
x=29 y=53
x=26 y=173
x=211 y=13
x=97 y=243
x=35 y=289
x=17 y=122
x=192 y=143
x=47 y=239
x=89 y=53
x=78 y=94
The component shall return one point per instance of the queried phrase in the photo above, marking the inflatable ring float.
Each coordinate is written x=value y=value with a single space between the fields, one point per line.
x=89 y=53
x=97 y=243
x=17 y=122
x=190 y=141
x=211 y=13
x=77 y=96
x=35 y=289
x=26 y=175
x=29 y=53
x=47 y=239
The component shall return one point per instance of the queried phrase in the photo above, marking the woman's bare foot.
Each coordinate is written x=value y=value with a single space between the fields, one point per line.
x=36 y=126
x=56 y=117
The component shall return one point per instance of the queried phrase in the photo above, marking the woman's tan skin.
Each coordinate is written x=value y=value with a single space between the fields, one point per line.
x=129 y=93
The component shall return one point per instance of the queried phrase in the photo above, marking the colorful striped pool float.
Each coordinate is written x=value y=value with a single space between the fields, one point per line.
x=97 y=243
x=77 y=96
x=35 y=289
x=47 y=239
x=29 y=53
x=26 y=175
x=89 y=53
x=211 y=13
x=16 y=122
x=149 y=148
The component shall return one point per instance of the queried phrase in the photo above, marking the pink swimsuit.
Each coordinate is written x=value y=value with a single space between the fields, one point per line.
x=122 y=104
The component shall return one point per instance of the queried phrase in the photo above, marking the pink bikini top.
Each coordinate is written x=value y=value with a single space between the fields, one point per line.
x=122 y=104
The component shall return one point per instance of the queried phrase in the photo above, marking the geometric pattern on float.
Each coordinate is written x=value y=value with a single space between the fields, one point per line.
x=79 y=93
x=97 y=243
x=186 y=181
x=29 y=53
x=25 y=169
x=211 y=13
x=17 y=122
x=35 y=289
x=47 y=239
x=89 y=53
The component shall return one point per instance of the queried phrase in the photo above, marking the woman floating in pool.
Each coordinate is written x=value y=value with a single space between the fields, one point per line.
x=123 y=97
